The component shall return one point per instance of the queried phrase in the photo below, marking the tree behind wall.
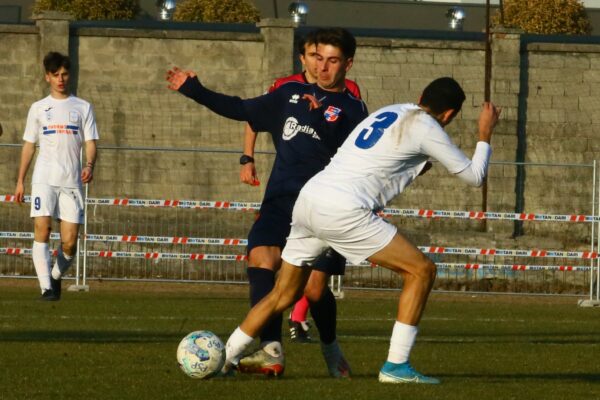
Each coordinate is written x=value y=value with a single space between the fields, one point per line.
x=232 y=11
x=548 y=17
x=91 y=9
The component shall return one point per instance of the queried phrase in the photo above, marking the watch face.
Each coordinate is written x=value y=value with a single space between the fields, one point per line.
x=244 y=159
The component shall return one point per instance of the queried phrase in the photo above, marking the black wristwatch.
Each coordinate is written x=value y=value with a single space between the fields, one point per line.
x=245 y=159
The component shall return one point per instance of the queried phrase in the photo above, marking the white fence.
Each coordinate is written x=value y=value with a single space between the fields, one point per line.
x=145 y=238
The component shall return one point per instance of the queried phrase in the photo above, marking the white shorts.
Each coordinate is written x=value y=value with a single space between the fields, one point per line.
x=355 y=233
x=62 y=203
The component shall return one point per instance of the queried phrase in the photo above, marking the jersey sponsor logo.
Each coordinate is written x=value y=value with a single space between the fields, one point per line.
x=332 y=113
x=60 y=129
x=294 y=99
x=291 y=128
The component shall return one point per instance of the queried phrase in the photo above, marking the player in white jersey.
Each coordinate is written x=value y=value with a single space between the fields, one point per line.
x=338 y=208
x=60 y=124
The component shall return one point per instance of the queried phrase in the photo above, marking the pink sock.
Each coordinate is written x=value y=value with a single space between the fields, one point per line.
x=300 y=310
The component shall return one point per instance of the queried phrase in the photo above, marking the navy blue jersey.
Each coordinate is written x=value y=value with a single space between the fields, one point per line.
x=305 y=138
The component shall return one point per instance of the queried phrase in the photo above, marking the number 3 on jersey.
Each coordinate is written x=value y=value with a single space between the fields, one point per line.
x=371 y=135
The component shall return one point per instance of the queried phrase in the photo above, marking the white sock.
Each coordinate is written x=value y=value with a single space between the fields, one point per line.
x=236 y=344
x=401 y=343
x=62 y=264
x=273 y=348
x=40 y=253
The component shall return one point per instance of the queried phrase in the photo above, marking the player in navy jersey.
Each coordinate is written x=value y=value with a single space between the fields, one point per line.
x=331 y=262
x=308 y=122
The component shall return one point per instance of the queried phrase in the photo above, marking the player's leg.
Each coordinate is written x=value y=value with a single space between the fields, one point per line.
x=263 y=263
x=40 y=253
x=418 y=273
x=288 y=288
x=43 y=204
x=66 y=254
x=323 y=308
x=70 y=213
x=265 y=241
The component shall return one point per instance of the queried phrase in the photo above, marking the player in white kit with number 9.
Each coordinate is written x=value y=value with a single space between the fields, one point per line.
x=60 y=123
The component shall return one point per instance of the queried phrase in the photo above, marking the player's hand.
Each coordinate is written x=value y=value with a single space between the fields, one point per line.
x=87 y=174
x=248 y=174
x=426 y=168
x=488 y=118
x=19 y=192
x=176 y=77
x=313 y=102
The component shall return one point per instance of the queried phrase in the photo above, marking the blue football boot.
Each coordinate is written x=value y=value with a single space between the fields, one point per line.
x=403 y=373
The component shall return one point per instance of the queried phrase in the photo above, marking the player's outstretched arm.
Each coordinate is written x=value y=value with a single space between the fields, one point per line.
x=248 y=170
x=26 y=156
x=232 y=107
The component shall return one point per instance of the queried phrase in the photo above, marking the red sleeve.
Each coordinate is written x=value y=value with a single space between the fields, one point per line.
x=292 y=78
x=353 y=88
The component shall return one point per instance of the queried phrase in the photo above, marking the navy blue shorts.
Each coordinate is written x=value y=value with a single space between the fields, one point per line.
x=272 y=228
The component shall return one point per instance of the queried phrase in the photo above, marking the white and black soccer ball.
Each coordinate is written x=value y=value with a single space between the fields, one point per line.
x=201 y=354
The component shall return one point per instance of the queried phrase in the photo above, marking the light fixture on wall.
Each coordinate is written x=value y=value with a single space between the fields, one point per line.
x=298 y=12
x=456 y=18
x=165 y=9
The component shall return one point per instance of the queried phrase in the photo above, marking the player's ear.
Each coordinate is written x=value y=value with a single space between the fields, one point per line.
x=447 y=116
x=349 y=62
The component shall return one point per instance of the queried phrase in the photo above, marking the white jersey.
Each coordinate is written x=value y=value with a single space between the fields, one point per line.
x=385 y=153
x=60 y=126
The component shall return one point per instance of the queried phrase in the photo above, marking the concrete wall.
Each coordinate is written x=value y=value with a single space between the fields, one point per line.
x=548 y=94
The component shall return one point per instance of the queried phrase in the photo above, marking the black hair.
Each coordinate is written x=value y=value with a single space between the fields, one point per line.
x=443 y=94
x=338 y=37
x=53 y=61
x=310 y=38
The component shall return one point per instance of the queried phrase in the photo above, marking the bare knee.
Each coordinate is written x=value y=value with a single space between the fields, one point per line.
x=69 y=247
x=427 y=271
x=313 y=292
x=315 y=286
x=266 y=257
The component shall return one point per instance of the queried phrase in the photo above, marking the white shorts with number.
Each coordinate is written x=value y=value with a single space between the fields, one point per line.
x=62 y=203
x=355 y=233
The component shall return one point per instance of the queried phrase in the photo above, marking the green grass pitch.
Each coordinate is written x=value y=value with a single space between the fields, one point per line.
x=118 y=342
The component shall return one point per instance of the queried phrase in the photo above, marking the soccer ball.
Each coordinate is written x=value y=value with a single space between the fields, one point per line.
x=201 y=354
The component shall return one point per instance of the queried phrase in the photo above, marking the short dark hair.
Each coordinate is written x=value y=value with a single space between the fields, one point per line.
x=338 y=37
x=53 y=61
x=443 y=94
x=310 y=38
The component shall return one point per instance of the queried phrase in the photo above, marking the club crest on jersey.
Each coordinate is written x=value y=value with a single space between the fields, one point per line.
x=294 y=99
x=332 y=113
x=48 y=112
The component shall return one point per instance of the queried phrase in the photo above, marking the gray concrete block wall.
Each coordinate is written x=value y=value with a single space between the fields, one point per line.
x=561 y=127
x=121 y=72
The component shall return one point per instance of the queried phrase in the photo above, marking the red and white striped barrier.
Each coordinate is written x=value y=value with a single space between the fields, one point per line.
x=243 y=242
x=167 y=240
x=240 y=257
x=387 y=212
